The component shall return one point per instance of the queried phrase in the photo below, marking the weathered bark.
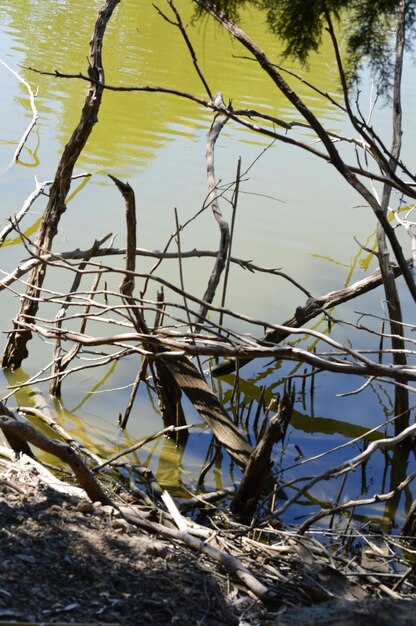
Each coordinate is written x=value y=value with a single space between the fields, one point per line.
x=208 y=406
x=16 y=350
x=168 y=392
x=259 y=465
x=213 y=201
x=401 y=395
x=11 y=427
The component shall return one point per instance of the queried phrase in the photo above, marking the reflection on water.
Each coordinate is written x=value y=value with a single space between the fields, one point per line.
x=157 y=142
x=142 y=49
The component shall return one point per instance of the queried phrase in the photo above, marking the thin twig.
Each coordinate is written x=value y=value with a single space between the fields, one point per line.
x=352 y=504
x=34 y=114
x=189 y=45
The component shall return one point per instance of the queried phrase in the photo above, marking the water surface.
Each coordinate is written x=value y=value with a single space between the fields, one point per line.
x=294 y=213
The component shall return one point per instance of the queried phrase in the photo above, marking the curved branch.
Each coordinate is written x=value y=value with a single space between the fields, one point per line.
x=62 y=450
x=213 y=201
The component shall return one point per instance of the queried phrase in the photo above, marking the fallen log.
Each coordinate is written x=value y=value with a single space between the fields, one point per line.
x=23 y=432
x=311 y=309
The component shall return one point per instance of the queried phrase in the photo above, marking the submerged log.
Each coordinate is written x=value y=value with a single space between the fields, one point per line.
x=260 y=464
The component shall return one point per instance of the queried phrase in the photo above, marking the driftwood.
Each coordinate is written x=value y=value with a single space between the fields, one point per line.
x=231 y=563
x=16 y=349
x=12 y=428
x=260 y=464
x=311 y=309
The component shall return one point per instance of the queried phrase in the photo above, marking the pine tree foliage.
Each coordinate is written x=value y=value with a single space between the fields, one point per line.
x=366 y=29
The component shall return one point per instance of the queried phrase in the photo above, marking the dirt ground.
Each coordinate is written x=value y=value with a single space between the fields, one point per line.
x=59 y=564
x=66 y=561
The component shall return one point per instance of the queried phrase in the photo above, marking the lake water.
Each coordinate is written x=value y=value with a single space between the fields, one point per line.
x=294 y=213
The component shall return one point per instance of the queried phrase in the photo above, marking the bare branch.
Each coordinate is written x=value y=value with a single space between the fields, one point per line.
x=219 y=266
x=34 y=114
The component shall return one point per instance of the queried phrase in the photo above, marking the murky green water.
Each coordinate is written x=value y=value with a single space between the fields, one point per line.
x=294 y=213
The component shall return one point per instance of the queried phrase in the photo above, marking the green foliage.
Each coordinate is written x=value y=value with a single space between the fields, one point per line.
x=366 y=29
x=299 y=23
x=371 y=39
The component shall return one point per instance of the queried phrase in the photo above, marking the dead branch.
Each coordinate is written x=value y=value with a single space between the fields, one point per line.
x=168 y=391
x=401 y=396
x=229 y=562
x=35 y=116
x=333 y=155
x=17 y=217
x=11 y=427
x=180 y=25
x=137 y=446
x=310 y=310
x=140 y=377
x=234 y=203
x=17 y=443
x=259 y=465
x=176 y=374
x=409 y=526
x=353 y=504
x=16 y=348
x=36 y=259
x=51 y=422
x=211 y=410
x=60 y=361
x=348 y=466
x=267 y=132
x=212 y=199
x=174 y=351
